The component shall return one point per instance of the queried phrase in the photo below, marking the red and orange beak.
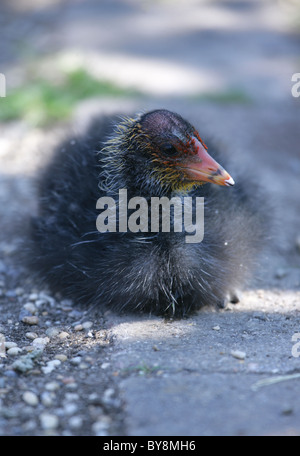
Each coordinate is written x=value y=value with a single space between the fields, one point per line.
x=203 y=168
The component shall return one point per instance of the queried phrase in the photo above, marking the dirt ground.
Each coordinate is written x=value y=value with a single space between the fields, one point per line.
x=69 y=371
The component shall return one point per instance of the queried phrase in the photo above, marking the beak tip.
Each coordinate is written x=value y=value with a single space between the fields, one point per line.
x=229 y=182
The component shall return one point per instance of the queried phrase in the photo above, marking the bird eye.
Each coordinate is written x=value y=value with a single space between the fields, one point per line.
x=169 y=149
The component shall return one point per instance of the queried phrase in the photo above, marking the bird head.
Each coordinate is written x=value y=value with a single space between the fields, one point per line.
x=159 y=150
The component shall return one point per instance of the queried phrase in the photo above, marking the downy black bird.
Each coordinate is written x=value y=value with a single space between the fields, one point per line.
x=154 y=154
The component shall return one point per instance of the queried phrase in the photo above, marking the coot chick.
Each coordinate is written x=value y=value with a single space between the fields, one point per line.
x=155 y=154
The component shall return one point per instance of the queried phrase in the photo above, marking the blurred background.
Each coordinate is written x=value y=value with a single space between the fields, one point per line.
x=225 y=65
x=55 y=53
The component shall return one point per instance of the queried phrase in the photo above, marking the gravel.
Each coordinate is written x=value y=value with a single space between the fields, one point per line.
x=44 y=368
x=30 y=398
x=30 y=320
x=239 y=354
x=49 y=421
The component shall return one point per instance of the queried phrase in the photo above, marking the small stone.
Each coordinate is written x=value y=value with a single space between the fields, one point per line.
x=9 y=344
x=10 y=294
x=52 y=332
x=9 y=412
x=14 y=351
x=41 y=341
x=78 y=327
x=238 y=354
x=33 y=296
x=24 y=313
x=66 y=303
x=71 y=397
x=26 y=362
x=22 y=365
x=30 y=307
x=10 y=373
x=75 y=313
x=108 y=393
x=72 y=386
x=52 y=386
x=40 y=302
x=51 y=365
x=30 y=398
x=44 y=298
x=87 y=324
x=29 y=426
x=75 y=422
x=94 y=399
x=19 y=291
x=70 y=408
x=68 y=381
x=61 y=357
x=30 y=320
x=76 y=360
x=105 y=365
x=35 y=371
x=216 y=328
x=100 y=427
x=49 y=421
x=31 y=335
x=47 y=398
x=63 y=335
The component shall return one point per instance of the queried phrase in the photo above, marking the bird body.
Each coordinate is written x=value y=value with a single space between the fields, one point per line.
x=154 y=155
